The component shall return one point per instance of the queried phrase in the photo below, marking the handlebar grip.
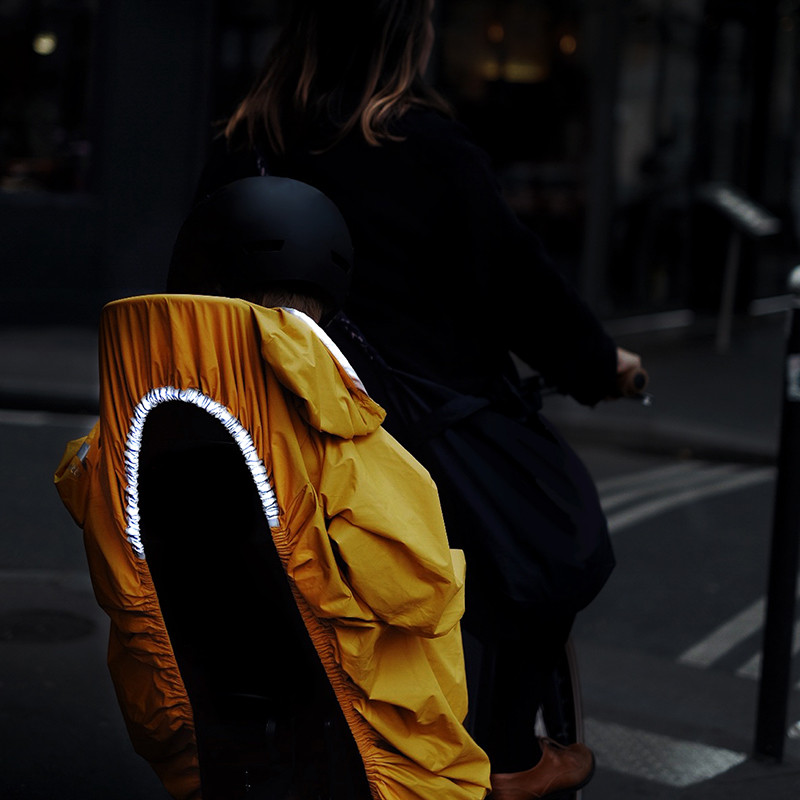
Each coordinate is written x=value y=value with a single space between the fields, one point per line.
x=632 y=383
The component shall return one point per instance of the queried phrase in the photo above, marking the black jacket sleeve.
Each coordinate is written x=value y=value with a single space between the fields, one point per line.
x=542 y=317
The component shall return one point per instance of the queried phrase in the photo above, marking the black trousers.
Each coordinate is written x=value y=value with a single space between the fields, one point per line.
x=508 y=678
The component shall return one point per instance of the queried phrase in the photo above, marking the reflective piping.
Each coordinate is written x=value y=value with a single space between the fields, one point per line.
x=332 y=347
x=133 y=446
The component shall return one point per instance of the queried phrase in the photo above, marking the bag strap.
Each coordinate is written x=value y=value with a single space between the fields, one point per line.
x=449 y=413
x=352 y=330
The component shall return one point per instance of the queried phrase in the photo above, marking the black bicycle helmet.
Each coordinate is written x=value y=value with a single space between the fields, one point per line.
x=262 y=232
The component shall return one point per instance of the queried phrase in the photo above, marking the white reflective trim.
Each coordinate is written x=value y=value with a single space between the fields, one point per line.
x=234 y=427
x=332 y=347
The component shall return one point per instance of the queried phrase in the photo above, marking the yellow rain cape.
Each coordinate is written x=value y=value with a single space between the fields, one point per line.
x=354 y=518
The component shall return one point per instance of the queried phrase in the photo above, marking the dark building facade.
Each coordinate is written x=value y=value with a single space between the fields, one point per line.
x=104 y=119
x=604 y=119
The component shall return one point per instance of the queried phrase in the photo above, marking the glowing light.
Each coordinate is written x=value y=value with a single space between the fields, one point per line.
x=45 y=43
x=567 y=44
x=524 y=72
x=514 y=71
x=496 y=33
x=490 y=70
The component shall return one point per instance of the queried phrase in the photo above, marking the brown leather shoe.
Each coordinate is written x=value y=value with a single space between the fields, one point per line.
x=560 y=770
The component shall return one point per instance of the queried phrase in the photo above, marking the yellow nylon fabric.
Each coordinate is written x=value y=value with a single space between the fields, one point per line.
x=351 y=501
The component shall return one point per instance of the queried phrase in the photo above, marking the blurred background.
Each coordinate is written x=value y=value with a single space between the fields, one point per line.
x=654 y=145
x=607 y=121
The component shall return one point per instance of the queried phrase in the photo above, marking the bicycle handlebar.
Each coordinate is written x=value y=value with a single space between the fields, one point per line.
x=632 y=384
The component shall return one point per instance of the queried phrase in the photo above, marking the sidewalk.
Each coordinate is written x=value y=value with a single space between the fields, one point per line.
x=706 y=405
x=48 y=369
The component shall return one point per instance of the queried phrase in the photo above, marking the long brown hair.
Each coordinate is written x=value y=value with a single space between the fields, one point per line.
x=339 y=64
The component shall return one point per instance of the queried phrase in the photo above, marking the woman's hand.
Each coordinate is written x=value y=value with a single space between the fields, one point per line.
x=631 y=378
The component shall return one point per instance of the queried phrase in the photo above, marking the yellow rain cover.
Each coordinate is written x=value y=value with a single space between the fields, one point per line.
x=355 y=520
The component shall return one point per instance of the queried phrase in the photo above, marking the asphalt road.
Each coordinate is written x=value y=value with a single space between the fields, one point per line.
x=667 y=652
x=62 y=733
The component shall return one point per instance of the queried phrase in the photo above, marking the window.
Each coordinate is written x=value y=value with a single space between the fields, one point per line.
x=45 y=54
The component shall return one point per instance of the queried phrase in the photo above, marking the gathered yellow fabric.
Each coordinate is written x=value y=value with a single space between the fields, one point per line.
x=354 y=518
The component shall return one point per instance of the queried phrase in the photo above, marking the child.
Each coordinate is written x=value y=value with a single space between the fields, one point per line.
x=354 y=518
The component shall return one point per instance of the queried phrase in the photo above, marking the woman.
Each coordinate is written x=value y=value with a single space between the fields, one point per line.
x=447 y=280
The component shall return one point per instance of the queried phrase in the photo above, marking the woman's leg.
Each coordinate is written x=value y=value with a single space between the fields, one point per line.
x=514 y=676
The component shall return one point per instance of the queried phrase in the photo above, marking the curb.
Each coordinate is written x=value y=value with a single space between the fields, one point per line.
x=66 y=403
x=671 y=438
x=654 y=437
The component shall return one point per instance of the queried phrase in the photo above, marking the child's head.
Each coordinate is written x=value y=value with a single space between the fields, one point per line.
x=272 y=241
x=285 y=296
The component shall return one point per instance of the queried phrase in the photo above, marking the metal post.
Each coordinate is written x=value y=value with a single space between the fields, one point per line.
x=730 y=280
x=746 y=217
x=777 y=647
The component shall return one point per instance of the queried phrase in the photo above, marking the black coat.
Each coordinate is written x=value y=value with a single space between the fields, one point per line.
x=447 y=278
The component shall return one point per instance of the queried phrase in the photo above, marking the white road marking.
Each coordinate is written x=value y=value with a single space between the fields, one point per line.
x=687 y=477
x=648 y=476
x=639 y=513
x=730 y=634
x=655 y=757
x=726 y=636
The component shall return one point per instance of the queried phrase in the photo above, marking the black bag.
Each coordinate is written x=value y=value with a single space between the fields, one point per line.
x=515 y=496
